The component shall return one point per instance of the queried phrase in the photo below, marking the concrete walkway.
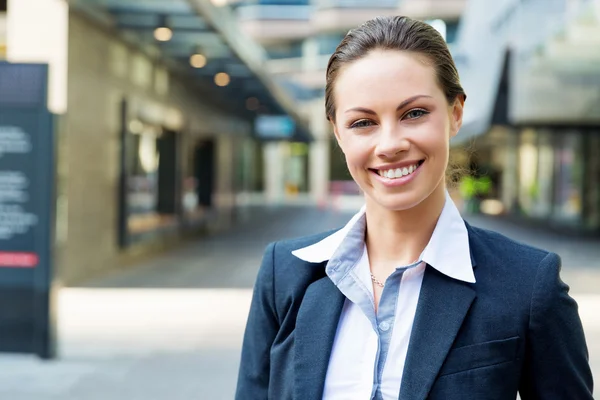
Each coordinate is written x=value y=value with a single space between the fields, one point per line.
x=171 y=328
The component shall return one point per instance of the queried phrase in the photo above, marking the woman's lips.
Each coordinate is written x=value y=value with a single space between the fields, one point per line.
x=395 y=182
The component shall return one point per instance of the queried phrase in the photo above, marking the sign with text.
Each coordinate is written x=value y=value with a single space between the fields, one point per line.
x=274 y=127
x=26 y=209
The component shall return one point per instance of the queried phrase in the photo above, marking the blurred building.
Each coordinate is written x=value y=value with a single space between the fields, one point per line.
x=156 y=106
x=532 y=122
x=299 y=37
x=168 y=111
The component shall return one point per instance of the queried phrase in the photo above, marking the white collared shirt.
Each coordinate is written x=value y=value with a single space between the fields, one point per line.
x=369 y=350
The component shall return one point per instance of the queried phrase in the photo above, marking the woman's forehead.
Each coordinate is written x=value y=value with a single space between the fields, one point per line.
x=386 y=74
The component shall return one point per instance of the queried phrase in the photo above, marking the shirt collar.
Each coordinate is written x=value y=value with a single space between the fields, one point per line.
x=447 y=251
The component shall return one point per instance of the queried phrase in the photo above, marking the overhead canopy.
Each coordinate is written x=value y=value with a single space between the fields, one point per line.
x=479 y=55
x=199 y=27
x=551 y=76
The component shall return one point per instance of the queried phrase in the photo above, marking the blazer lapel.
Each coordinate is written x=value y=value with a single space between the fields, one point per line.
x=443 y=305
x=316 y=325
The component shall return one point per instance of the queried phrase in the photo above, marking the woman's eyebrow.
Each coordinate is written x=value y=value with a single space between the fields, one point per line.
x=400 y=106
x=411 y=100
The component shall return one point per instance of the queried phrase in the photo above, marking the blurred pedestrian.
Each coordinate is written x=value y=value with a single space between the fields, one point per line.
x=407 y=300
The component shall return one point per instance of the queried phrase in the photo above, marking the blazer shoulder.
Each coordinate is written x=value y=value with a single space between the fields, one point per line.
x=496 y=246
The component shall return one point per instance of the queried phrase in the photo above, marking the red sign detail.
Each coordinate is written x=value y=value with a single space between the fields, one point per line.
x=18 y=260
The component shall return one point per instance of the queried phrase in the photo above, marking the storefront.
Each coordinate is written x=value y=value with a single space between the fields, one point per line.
x=151 y=182
x=175 y=181
x=591 y=181
x=551 y=176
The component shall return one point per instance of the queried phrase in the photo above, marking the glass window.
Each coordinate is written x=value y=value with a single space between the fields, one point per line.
x=510 y=179
x=592 y=194
x=569 y=177
x=528 y=163
x=142 y=194
x=542 y=196
x=199 y=182
x=151 y=179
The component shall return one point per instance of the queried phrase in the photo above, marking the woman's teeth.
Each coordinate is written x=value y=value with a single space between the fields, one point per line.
x=398 y=172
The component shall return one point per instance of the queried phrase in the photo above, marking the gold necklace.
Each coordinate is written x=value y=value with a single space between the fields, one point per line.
x=377 y=281
x=381 y=284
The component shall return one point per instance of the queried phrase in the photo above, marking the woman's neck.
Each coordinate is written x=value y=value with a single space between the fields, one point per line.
x=396 y=238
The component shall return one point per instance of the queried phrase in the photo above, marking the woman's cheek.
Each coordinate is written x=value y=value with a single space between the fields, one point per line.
x=357 y=157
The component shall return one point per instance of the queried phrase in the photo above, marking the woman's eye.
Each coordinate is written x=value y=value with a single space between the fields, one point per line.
x=414 y=114
x=363 y=123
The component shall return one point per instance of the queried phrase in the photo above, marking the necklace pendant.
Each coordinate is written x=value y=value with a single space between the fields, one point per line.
x=377 y=281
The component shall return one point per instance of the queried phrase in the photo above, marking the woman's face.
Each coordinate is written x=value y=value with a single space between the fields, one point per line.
x=394 y=124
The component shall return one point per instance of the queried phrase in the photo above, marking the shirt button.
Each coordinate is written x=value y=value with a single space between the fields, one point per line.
x=384 y=326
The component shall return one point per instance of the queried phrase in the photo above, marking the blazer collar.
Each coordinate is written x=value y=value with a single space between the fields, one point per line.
x=443 y=304
x=316 y=326
x=448 y=249
x=323 y=251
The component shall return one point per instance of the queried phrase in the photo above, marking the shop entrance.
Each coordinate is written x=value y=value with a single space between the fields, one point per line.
x=204 y=171
x=168 y=182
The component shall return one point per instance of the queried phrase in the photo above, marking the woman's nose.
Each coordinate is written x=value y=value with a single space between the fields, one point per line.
x=391 y=142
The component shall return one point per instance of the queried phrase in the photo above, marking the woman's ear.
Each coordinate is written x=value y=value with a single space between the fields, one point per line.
x=337 y=134
x=456 y=115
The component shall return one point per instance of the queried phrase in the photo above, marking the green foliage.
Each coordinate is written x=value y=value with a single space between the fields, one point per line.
x=471 y=186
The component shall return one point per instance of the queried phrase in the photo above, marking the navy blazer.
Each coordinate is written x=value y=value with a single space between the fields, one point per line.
x=515 y=329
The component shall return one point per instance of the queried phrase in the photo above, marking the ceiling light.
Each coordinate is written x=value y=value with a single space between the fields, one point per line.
x=163 y=33
x=197 y=60
x=222 y=79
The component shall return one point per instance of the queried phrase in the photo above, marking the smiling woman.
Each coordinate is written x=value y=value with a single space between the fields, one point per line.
x=390 y=114
x=407 y=300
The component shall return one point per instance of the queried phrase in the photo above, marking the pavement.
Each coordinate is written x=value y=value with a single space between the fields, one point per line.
x=171 y=328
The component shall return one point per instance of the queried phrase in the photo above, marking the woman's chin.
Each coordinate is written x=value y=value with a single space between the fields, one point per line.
x=395 y=201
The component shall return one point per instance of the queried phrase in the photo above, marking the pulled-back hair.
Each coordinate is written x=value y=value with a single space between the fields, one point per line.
x=394 y=33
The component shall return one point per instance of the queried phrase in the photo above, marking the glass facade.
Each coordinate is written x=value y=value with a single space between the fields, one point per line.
x=142 y=160
x=592 y=182
x=542 y=205
x=528 y=169
x=151 y=180
x=552 y=175
x=510 y=175
x=568 y=188
x=199 y=181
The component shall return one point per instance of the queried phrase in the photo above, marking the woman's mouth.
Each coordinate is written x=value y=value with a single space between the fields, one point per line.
x=396 y=173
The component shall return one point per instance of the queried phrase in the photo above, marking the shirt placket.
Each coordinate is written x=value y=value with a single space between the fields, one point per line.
x=384 y=326
x=346 y=277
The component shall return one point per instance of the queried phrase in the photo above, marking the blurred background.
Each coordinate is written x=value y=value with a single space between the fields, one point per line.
x=187 y=134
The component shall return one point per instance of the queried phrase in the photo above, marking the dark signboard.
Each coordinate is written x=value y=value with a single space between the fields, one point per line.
x=26 y=211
